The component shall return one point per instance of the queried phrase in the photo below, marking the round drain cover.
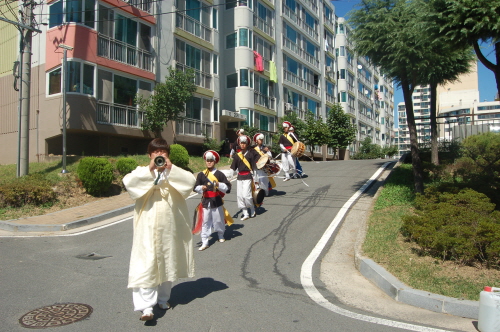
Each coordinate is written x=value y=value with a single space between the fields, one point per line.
x=55 y=315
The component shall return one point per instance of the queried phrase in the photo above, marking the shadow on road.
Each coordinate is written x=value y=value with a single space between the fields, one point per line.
x=188 y=291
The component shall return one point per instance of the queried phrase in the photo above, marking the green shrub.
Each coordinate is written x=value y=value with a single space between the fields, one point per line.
x=96 y=174
x=126 y=165
x=31 y=189
x=455 y=224
x=179 y=155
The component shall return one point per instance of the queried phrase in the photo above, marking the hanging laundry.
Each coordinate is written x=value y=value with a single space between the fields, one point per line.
x=272 y=72
x=259 y=62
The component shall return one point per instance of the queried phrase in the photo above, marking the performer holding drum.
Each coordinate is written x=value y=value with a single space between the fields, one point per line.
x=213 y=185
x=296 y=157
x=264 y=161
x=244 y=161
x=286 y=142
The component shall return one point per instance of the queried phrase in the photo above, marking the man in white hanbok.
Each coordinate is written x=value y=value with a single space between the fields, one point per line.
x=162 y=249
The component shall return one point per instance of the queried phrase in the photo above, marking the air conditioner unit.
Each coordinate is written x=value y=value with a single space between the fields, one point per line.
x=288 y=107
x=329 y=69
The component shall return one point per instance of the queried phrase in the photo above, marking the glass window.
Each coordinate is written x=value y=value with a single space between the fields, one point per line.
x=126 y=30
x=193 y=9
x=89 y=15
x=244 y=77
x=73 y=77
x=193 y=108
x=342 y=51
x=214 y=18
x=105 y=25
x=264 y=122
x=243 y=37
x=310 y=48
x=342 y=74
x=231 y=40
x=310 y=20
x=55 y=81
x=232 y=80
x=216 y=110
x=56 y=14
x=124 y=90
x=74 y=11
x=343 y=96
x=311 y=106
x=329 y=88
x=216 y=64
x=88 y=79
x=249 y=115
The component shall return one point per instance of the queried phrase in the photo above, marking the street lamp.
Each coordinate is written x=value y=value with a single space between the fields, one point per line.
x=65 y=58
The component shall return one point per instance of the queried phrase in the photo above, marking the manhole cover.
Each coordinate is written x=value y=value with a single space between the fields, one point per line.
x=55 y=315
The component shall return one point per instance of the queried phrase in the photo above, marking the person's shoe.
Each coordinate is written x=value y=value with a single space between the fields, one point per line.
x=245 y=217
x=222 y=240
x=203 y=247
x=286 y=179
x=147 y=314
x=253 y=214
x=164 y=306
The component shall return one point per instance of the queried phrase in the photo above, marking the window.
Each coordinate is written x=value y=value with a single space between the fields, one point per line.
x=249 y=114
x=216 y=110
x=78 y=11
x=342 y=74
x=233 y=3
x=312 y=106
x=55 y=81
x=264 y=122
x=88 y=79
x=329 y=88
x=343 y=96
x=125 y=90
x=216 y=64
x=244 y=79
x=244 y=40
x=232 y=80
x=231 y=40
x=193 y=108
x=214 y=19
x=56 y=14
x=80 y=78
x=73 y=77
x=126 y=30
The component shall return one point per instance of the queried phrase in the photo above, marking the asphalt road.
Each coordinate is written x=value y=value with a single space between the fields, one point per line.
x=249 y=283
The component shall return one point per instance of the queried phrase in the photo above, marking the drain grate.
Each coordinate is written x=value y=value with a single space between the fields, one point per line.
x=55 y=315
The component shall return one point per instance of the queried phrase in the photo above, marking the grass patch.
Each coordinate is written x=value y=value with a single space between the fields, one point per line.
x=386 y=246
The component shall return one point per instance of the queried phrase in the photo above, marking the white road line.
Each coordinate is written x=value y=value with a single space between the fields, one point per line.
x=306 y=270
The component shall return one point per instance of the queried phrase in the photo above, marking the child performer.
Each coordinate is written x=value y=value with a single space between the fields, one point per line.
x=262 y=177
x=162 y=249
x=213 y=185
x=244 y=161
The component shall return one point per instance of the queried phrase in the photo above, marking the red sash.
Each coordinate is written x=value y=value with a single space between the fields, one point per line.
x=210 y=194
x=244 y=173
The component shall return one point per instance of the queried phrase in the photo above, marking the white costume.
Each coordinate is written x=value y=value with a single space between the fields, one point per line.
x=162 y=249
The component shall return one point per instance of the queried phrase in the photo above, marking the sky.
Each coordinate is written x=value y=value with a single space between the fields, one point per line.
x=487 y=85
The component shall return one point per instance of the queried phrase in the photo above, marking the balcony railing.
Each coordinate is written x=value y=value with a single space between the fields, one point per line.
x=122 y=52
x=312 y=5
x=192 y=127
x=263 y=25
x=201 y=78
x=351 y=109
x=328 y=22
x=262 y=100
x=292 y=78
x=144 y=5
x=310 y=30
x=290 y=13
x=194 y=27
x=300 y=52
x=363 y=98
x=119 y=115
x=330 y=98
x=301 y=114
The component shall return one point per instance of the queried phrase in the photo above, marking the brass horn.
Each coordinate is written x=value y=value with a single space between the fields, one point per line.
x=160 y=161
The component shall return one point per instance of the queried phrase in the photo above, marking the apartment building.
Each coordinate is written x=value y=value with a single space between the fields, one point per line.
x=254 y=62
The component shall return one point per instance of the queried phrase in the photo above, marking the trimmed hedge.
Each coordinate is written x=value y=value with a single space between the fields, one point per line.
x=96 y=175
x=459 y=225
x=31 y=189
x=179 y=155
x=126 y=165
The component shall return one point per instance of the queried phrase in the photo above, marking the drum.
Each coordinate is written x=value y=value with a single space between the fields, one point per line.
x=262 y=161
x=258 y=196
x=298 y=149
x=271 y=169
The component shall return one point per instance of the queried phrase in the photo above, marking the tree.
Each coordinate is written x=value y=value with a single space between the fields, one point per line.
x=446 y=63
x=368 y=150
x=386 y=32
x=316 y=132
x=296 y=122
x=342 y=130
x=470 y=22
x=168 y=100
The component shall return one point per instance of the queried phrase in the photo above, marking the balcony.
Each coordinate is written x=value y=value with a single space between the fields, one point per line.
x=300 y=52
x=201 y=78
x=330 y=98
x=122 y=52
x=263 y=25
x=362 y=97
x=301 y=114
x=193 y=127
x=329 y=22
x=192 y=26
x=119 y=115
x=144 y=5
x=290 y=13
x=294 y=79
x=265 y=101
x=312 y=32
x=312 y=5
x=351 y=109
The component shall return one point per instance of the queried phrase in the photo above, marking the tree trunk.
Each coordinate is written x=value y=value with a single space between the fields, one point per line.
x=434 y=132
x=495 y=68
x=415 y=156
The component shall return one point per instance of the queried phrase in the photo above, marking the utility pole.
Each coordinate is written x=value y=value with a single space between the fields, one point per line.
x=65 y=88
x=27 y=19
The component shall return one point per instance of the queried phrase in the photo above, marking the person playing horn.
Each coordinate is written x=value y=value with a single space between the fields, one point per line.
x=264 y=181
x=244 y=161
x=300 y=172
x=213 y=185
x=286 y=143
x=236 y=146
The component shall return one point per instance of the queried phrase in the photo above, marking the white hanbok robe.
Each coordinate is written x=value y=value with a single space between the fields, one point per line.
x=162 y=248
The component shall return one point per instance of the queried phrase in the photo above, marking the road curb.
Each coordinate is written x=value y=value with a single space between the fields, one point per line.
x=401 y=292
x=12 y=226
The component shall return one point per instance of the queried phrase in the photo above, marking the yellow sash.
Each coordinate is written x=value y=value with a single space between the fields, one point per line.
x=227 y=217
x=271 y=179
x=289 y=138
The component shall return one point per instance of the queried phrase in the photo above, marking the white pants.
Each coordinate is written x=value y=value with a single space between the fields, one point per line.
x=244 y=195
x=212 y=218
x=288 y=163
x=146 y=298
x=263 y=180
